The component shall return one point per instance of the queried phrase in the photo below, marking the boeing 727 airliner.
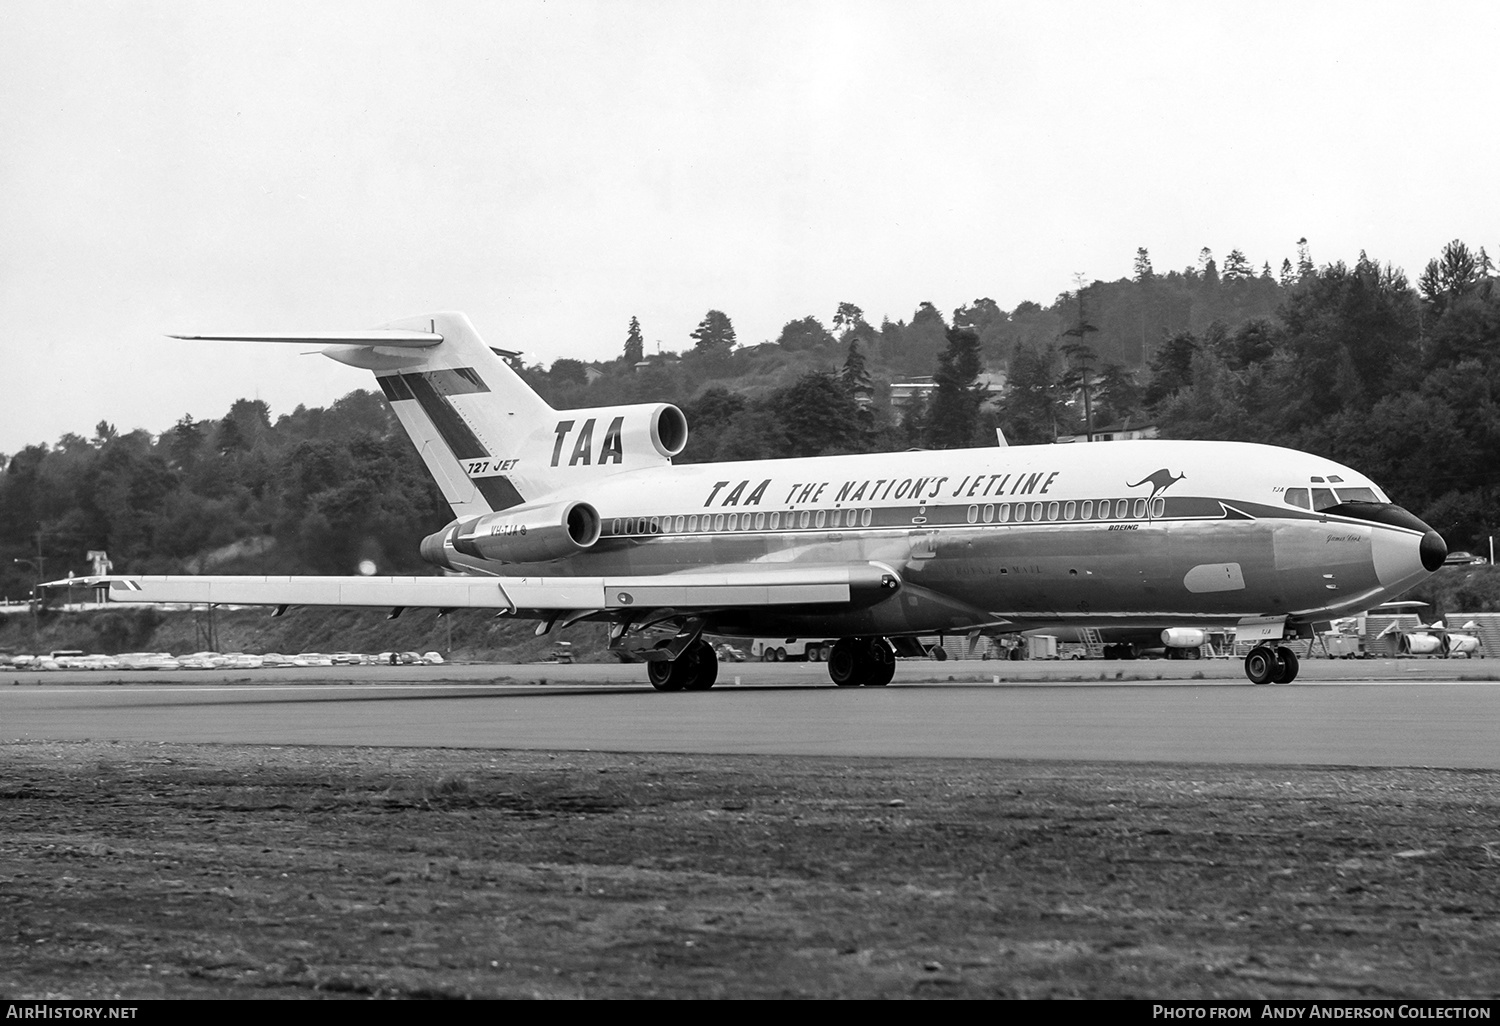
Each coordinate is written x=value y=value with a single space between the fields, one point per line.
x=579 y=515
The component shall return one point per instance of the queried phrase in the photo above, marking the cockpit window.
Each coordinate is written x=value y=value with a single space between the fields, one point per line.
x=1323 y=498
x=1357 y=495
x=1298 y=497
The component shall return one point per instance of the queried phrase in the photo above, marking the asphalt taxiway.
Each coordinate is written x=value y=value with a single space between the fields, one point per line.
x=1360 y=713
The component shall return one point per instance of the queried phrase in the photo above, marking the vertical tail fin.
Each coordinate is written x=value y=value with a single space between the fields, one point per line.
x=466 y=410
x=488 y=440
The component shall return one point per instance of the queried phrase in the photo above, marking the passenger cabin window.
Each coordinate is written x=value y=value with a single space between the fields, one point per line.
x=1122 y=509
x=989 y=512
x=1052 y=509
x=1069 y=509
x=864 y=518
x=1086 y=511
x=973 y=514
x=1158 y=506
x=1140 y=508
x=1298 y=497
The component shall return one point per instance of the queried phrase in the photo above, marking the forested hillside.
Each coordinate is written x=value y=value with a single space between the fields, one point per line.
x=1351 y=360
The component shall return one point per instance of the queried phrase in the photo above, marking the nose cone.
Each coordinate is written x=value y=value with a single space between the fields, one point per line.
x=1404 y=557
x=1433 y=550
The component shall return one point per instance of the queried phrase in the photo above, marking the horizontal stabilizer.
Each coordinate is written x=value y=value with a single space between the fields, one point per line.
x=858 y=584
x=394 y=337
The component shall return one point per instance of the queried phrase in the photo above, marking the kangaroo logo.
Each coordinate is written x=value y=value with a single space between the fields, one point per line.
x=1159 y=481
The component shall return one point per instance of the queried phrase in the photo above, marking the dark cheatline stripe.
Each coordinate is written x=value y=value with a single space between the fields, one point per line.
x=498 y=492
x=393 y=387
x=460 y=440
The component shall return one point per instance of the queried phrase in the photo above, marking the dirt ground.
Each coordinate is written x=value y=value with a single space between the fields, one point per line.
x=145 y=870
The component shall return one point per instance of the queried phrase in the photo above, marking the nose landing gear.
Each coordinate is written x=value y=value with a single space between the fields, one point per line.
x=856 y=661
x=1267 y=665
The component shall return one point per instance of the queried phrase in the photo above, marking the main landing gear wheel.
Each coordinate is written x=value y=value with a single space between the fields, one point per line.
x=856 y=661
x=1289 y=666
x=1267 y=665
x=696 y=669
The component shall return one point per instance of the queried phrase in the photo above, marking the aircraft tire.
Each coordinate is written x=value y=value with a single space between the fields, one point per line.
x=1287 y=664
x=843 y=663
x=663 y=675
x=879 y=663
x=1261 y=665
x=882 y=675
x=696 y=669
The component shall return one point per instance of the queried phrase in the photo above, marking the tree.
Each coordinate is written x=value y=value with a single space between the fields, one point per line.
x=807 y=333
x=854 y=376
x=709 y=418
x=635 y=345
x=953 y=416
x=1081 y=356
x=1236 y=266
x=818 y=415
x=847 y=318
x=1288 y=279
x=1305 y=267
x=1451 y=275
x=982 y=315
x=1171 y=367
x=1033 y=395
x=1143 y=270
x=568 y=372
x=714 y=334
x=184 y=442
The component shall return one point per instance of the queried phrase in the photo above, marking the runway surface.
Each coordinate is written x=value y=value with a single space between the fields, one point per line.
x=1415 y=713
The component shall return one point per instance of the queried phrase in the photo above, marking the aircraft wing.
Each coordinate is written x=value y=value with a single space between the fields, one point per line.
x=851 y=585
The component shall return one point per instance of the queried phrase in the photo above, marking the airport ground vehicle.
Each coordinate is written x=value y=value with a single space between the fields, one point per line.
x=780 y=650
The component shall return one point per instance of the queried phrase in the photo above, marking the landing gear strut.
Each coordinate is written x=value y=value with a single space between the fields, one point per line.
x=695 y=669
x=856 y=661
x=1267 y=665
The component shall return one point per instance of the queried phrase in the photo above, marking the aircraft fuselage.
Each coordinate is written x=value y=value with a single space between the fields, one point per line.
x=1122 y=533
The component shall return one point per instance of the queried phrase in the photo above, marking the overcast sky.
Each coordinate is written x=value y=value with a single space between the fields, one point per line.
x=555 y=168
